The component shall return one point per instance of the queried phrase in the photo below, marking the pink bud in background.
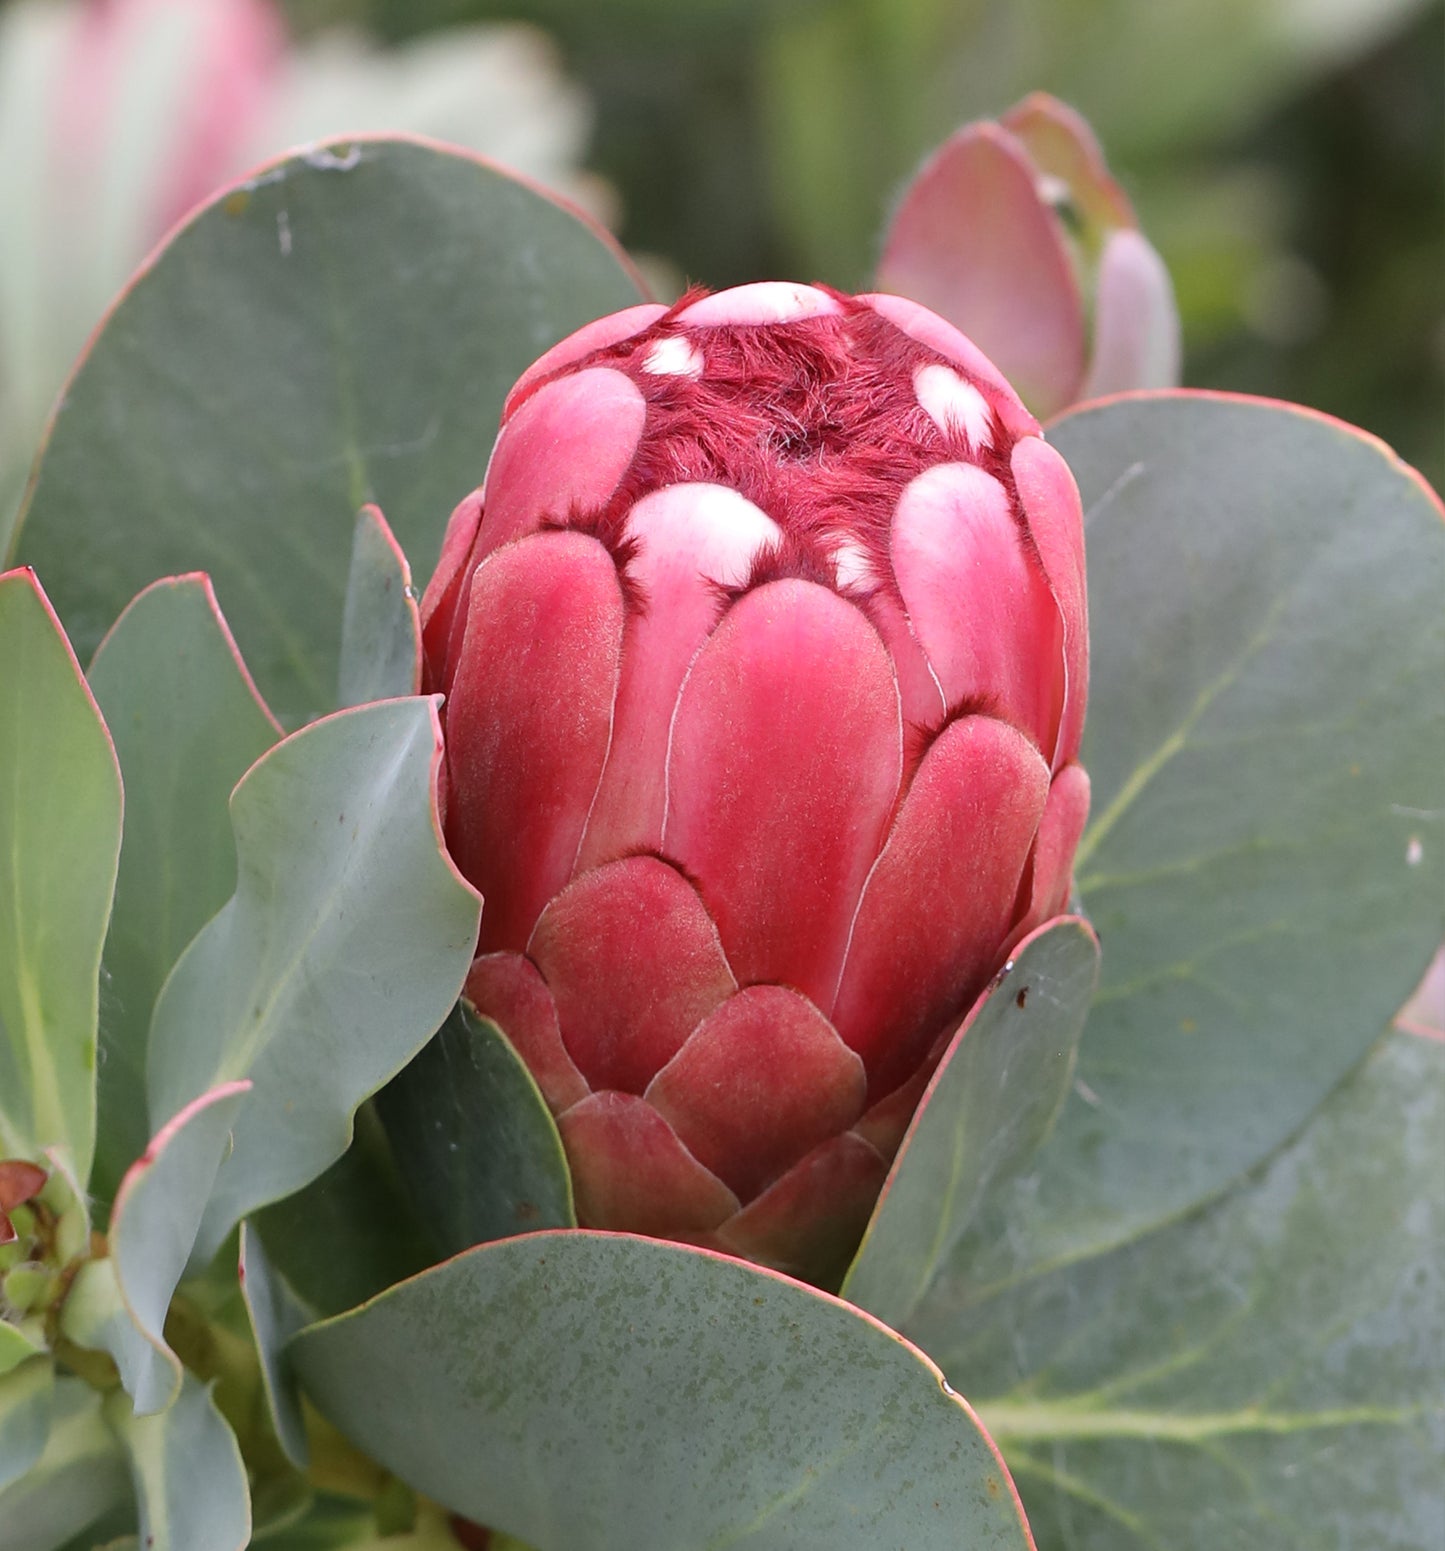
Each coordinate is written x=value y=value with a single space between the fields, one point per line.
x=1016 y=233
x=765 y=654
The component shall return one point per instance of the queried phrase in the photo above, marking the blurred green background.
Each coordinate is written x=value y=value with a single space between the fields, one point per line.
x=1286 y=156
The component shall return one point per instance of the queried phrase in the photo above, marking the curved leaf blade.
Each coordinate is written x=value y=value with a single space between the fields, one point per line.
x=276 y=1314
x=340 y=328
x=990 y=1104
x=187 y=723
x=1267 y=1372
x=474 y=1139
x=190 y=1482
x=341 y=952
x=607 y=1391
x=1266 y=740
x=60 y=822
x=158 y=1213
x=380 y=624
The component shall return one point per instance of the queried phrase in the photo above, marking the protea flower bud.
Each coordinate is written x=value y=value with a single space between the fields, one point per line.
x=765 y=652
x=1017 y=234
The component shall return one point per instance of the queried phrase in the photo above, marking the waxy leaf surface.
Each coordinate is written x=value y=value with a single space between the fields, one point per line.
x=1265 y=863
x=340 y=328
x=590 y=1390
x=339 y=955
x=60 y=820
x=276 y=1314
x=989 y=1105
x=1268 y=1372
x=158 y=1212
x=187 y=724
x=190 y=1482
x=380 y=623
x=474 y=1140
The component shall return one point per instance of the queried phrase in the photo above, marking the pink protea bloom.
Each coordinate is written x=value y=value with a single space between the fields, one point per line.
x=765 y=653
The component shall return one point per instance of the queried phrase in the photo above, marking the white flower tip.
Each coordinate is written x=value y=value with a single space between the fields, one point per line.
x=764 y=301
x=673 y=356
x=956 y=407
x=851 y=565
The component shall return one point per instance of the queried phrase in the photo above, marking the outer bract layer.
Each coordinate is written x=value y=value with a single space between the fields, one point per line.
x=765 y=654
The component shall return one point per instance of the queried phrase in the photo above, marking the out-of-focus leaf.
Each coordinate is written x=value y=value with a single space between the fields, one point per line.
x=27 y=1395
x=584 y=1389
x=190 y=1482
x=17 y=1346
x=158 y=1212
x=341 y=952
x=989 y=1105
x=80 y=1476
x=380 y=625
x=474 y=1140
x=340 y=328
x=60 y=817
x=187 y=724
x=276 y=1314
x=1265 y=864
x=1269 y=1372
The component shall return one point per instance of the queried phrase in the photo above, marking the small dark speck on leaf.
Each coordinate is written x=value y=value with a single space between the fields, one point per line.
x=235 y=203
x=1022 y=998
x=525 y=1211
x=991 y=1485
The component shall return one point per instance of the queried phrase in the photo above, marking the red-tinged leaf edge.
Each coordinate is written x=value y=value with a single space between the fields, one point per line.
x=321 y=155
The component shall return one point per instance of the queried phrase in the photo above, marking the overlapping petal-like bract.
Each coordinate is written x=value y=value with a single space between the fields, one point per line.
x=765 y=654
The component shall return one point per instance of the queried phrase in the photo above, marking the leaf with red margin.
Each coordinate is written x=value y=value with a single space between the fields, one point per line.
x=244 y=398
x=991 y=1102
x=187 y=723
x=119 y=1304
x=1265 y=862
x=1268 y=1371
x=60 y=822
x=625 y=1394
x=342 y=950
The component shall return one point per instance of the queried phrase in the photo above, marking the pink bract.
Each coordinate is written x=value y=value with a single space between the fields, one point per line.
x=766 y=657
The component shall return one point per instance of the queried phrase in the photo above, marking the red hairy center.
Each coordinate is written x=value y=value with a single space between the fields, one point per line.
x=817 y=422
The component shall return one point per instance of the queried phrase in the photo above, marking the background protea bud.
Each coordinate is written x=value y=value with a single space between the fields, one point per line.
x=1016 y=232
x=765 y=654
